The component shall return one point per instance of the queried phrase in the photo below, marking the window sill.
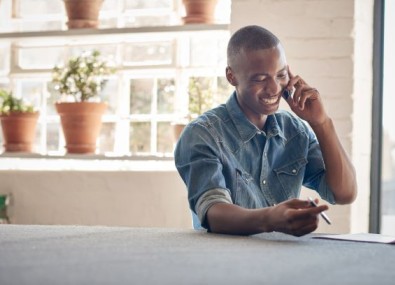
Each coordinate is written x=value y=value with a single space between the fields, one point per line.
x=113 y=32
x=84 y=162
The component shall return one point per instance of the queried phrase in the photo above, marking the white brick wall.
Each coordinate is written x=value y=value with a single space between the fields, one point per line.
x=328 y=43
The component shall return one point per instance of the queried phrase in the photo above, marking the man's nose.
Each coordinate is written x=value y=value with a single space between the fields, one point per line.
x=273 y=86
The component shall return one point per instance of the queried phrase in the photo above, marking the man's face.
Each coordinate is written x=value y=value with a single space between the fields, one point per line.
x=259 y=77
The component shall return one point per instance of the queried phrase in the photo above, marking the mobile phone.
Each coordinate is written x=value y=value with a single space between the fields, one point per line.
x=323 y=215
x=287 y=93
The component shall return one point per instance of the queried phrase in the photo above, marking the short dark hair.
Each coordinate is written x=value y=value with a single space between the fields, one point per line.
x=250 y=38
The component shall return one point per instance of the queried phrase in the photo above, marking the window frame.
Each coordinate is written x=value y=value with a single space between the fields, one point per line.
x=179 y=68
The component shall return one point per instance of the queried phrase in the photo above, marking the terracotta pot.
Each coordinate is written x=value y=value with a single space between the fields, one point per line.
x=81 y=124
x=199 y=11
x=83 y=13
x=177 y=130
x=19 y=131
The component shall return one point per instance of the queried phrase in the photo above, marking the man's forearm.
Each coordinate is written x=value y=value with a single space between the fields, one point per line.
x=231 y=219
x=293 y=216
x=340 y=172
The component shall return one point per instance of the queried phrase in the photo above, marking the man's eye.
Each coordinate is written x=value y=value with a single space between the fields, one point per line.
x=259 y=79
x=284 y=75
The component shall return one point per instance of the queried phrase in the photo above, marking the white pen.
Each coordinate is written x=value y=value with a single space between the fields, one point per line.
x=323 y=215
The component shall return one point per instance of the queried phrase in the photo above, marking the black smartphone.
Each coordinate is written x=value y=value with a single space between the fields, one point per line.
x=286 y=94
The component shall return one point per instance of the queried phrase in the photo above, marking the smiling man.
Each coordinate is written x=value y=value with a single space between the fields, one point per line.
x=244 y=162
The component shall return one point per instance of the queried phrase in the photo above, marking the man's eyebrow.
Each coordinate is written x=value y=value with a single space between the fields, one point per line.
x=259 y=74
x=266 y=74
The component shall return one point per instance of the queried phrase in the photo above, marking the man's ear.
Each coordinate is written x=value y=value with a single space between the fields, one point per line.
x=229 y=75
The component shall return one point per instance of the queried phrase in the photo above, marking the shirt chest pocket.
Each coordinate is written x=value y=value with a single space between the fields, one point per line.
x=290 y=177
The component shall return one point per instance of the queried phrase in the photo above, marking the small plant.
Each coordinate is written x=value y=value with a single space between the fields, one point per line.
x=10 y=104
x=200 y=96
x=83 y=77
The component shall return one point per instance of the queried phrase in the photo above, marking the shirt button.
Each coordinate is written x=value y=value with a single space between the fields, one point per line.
x=264 y=182
x=293 y=170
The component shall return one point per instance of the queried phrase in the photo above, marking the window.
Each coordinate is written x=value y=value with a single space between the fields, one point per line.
x=388 y=134
x=150 y=89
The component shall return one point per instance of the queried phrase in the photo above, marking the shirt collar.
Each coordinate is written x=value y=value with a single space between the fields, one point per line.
x=246 y=129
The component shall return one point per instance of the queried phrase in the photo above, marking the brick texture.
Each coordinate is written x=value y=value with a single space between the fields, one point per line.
x=328 y=43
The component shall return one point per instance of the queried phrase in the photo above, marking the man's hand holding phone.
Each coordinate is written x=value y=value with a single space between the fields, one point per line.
x=304 y=100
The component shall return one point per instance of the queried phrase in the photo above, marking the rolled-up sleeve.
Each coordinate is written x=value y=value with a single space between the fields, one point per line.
x=198 y=160
x=315 y=170
x=208 y=199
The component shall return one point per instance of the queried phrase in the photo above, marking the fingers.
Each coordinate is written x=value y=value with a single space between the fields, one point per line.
x=303 y=219
x=290 y=74
x=297 y=203
x=303 y=223
x=300 y=204
x=302 y=91
x=306 y=229
x=302 y=95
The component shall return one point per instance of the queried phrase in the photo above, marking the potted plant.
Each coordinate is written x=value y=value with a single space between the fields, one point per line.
x=83 y=13
x=79 y=83
x=200 y=100
x=18 y=122
x=199 y=11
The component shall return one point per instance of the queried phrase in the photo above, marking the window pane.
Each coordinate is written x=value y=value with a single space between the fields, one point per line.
x=141 y=96
x=4 y=59
x=152 y=4
x=140 y=134
x=224 y=89
x=31 y=92
x=166 y=96
x=29 y=8
x=157 y=53
x=209 y=50
x=200 y=95
x=388 y=139
x=37 y=15
x=107 y=51
x=107 y=138
x=165 y=138
x=51 y=99
x=37 y=138
x=110 y=5
x=109 y=94
x=39 y=57
x=53 y=136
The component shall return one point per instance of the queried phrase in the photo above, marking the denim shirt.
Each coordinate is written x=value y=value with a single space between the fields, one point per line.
x=223 y=149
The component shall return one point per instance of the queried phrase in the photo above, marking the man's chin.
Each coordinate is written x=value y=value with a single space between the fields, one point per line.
x=269 y=110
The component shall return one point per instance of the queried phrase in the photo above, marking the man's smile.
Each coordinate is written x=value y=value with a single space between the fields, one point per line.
x=269 y=101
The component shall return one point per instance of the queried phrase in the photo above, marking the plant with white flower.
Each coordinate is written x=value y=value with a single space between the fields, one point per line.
x=82 y=78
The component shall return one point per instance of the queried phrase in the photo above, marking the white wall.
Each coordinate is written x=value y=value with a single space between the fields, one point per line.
x=114 y=198
x=329 y=43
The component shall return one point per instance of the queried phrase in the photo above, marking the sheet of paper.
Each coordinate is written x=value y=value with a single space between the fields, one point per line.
x=361 y=237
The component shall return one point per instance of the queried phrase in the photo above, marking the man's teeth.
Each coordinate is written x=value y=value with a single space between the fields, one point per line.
x=270 y=101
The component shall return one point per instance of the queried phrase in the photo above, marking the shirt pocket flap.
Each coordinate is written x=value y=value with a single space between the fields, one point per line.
x=292 y=168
